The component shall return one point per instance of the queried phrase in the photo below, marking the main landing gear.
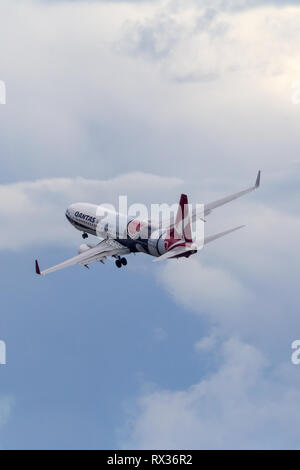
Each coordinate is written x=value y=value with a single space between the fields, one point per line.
x=121 y=262
x=84 y=235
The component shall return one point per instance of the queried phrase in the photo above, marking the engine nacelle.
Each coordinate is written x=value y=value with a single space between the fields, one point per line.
x=156 y=243
x=84 y=247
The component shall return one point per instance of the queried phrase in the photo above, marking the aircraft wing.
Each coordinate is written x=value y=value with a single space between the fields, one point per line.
x=97 y=253
x=220 y=202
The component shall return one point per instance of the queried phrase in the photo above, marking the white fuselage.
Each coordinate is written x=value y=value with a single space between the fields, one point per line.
x=137 y=235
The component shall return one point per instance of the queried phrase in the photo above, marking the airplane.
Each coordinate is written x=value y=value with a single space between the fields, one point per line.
x=172 y=241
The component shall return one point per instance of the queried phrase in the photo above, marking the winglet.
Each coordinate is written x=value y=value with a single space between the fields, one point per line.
x=37 y=268
x=211 y=238
x=257 y=182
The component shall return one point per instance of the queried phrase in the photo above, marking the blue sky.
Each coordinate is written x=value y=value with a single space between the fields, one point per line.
x=80 y=347
x=150 y=100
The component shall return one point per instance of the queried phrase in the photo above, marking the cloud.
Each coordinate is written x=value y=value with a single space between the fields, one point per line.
x=197 y=89
x=242 y=284
x=33 y=212
x=244 y=289
x=239 y=406
x=201 y=90
x=203 y=288
x=207 y=41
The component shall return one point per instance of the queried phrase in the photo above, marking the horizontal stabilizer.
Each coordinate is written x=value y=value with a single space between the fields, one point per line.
x=195 y=246
x=174 y=252
x=211 y=238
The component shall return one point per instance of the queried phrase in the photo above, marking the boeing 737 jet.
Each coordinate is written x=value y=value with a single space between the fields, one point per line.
x=121 y=235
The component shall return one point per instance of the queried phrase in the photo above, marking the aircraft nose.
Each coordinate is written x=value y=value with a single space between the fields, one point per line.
x=69 y=211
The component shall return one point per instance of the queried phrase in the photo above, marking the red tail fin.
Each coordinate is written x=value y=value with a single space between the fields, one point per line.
x=182 y=227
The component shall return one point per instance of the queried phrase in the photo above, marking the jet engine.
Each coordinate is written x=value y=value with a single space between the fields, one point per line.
x=156 y=243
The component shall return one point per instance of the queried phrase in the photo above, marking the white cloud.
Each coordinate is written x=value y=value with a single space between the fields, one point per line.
x=79 y=105
x=239 y=406
x=204 y=289
x=244 y=284
x=33 y=212
x=172 y=88
x=195 y=41
x=245 y=287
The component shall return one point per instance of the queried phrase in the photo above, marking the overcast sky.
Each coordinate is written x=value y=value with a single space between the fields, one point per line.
x=150 y=99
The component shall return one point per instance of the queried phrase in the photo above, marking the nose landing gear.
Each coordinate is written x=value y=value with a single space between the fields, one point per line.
x=121 y=262
x=84 y=235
